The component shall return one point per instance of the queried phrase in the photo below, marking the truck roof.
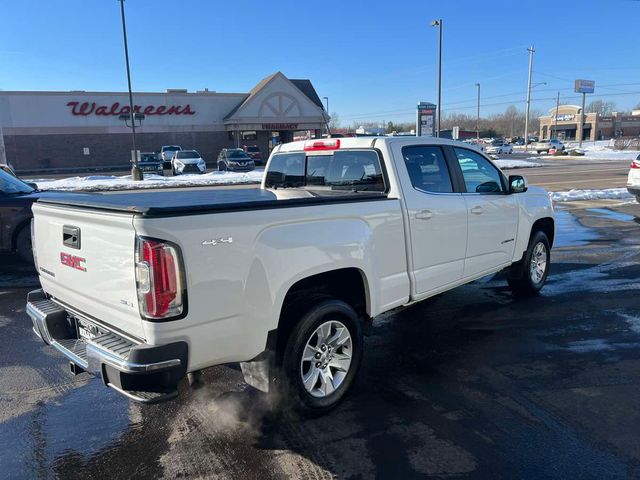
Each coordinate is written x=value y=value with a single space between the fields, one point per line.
x=371 y=142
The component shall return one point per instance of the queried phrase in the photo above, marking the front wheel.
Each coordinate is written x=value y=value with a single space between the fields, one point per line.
x=322 y=357
x=23 y=245
x=529 y=275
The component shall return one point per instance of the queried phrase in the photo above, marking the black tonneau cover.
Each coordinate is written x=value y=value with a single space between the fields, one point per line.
x=173 y=202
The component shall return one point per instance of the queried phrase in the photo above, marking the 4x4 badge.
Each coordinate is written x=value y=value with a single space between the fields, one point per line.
x=217 y=241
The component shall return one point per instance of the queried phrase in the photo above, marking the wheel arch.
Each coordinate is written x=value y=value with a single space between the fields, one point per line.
x=347 y=284
x=547 y=226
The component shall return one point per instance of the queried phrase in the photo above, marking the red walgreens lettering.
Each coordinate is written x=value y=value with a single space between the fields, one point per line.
x=85 y=109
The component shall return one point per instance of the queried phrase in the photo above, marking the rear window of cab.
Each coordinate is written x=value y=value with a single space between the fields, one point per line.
x=350 y=170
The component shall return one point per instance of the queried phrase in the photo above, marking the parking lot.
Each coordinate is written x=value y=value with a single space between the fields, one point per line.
x=472 y=383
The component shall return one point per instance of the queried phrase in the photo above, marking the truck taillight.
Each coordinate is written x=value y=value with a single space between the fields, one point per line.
x=328 y=144
x=159 y=279
x=635 y=164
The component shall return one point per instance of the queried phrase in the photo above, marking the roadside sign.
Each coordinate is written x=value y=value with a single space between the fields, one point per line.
x=425 y=120
x=585 y=86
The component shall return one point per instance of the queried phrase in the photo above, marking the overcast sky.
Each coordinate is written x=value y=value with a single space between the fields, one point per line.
x=373 y=59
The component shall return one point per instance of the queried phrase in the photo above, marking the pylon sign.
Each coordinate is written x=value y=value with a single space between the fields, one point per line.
x=426 y=120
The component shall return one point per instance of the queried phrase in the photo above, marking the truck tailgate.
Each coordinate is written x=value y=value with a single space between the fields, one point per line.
x=86 y=261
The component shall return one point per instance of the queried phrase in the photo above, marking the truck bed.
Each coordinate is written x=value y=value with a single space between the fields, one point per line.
x=170 y=203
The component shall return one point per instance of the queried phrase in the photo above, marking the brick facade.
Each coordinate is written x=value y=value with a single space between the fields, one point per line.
x=65 y=152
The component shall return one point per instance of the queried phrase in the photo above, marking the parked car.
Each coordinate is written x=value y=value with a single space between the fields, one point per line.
x=282 y=278
x=166 y=154
x=235 y=160
x=8 y=168
x=499 y=148
x=149 y=163
x=16 y=198
x=254 y=152
x=546 y=145
x=188 y=161
x=633 y=181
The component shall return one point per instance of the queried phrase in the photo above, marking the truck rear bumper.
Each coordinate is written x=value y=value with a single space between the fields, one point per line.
x=142 y=372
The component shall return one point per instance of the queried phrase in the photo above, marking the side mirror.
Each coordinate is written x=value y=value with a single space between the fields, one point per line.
x=32 y=185
x=517 y=184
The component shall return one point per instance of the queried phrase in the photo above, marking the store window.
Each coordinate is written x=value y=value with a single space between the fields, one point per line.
x=249 y=136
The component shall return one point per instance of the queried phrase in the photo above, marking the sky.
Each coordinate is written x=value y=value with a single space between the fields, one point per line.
x=374 y=60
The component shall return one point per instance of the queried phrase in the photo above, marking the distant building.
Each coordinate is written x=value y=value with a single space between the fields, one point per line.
x=565 y=124
x=371 y=130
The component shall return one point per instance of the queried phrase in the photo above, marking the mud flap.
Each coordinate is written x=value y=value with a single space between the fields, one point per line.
x=257 y=372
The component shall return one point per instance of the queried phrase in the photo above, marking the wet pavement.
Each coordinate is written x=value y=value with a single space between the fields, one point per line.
x=472 y=383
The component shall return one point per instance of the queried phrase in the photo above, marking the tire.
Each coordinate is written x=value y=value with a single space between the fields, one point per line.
x=525 y=277
x=329 y=378
x=222 y=167
x=23 y=244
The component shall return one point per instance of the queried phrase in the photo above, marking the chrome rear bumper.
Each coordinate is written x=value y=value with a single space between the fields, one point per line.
x=142 y=372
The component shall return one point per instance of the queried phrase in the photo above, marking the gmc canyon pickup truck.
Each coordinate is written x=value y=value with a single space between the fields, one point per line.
x=145 y=289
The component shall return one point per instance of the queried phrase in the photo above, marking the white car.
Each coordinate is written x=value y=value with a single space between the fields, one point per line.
x=167 y=152
x=633 y=181
x=143 y=289
x=500 y=148
x=188 y=161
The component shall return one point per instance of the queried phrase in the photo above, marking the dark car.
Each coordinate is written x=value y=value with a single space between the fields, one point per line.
x=235 y=160
x=16 y=198
x=254 y=152
x=150 y=163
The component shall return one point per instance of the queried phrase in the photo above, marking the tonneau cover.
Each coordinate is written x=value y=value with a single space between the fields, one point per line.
x=176 y=202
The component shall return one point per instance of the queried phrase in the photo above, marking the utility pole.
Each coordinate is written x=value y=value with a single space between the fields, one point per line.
x=526 y=118
x=555 y=128
x=478 y=116
x=438 y=23
x=582 y=118
x=136 y=173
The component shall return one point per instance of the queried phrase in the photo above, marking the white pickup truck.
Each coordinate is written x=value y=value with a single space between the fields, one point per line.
x=145 y=288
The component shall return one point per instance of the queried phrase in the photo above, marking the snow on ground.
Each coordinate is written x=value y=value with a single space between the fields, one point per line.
x=95 y=183
x=606 y=194
x=600 y=150
x=503 y=163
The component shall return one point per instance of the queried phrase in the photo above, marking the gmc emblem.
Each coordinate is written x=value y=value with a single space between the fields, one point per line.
x=72 y=261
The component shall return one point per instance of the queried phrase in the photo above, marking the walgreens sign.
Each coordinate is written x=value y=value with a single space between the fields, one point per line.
x=85 y=109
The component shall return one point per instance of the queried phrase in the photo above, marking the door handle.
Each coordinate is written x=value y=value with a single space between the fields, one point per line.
x=424 y=215
x=477 y=210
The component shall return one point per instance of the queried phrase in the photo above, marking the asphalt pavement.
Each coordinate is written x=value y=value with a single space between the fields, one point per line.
x=473 y=383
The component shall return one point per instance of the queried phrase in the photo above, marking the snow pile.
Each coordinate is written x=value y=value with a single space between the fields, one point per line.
x=95 y=183
x=606 y=194
x=516 y=163
x=600 y=150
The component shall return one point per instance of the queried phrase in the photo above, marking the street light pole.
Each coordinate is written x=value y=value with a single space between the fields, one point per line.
x=136 y=173
x=526 y=118
x=438 y=23
x=555 y=128
x=478 y=116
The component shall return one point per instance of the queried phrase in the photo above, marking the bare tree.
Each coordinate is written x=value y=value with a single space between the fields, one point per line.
x=334 y=123
x=601 y=107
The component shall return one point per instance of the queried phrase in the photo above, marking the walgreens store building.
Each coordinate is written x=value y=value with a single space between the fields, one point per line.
x=44 y=131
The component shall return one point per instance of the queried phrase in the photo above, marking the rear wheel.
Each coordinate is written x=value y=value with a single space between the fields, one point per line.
x=322 y=357
x=23 y=244
x=529 y=275
x=222 y=167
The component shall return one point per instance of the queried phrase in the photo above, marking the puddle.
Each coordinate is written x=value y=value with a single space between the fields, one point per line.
x=571 y=232
x=613 y=215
